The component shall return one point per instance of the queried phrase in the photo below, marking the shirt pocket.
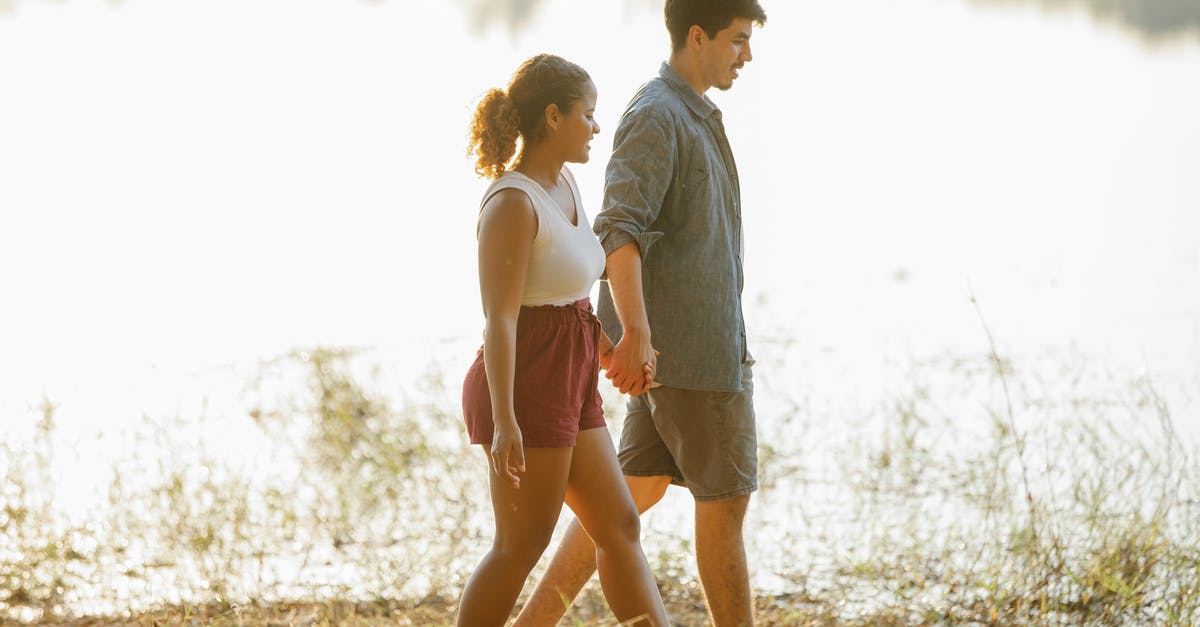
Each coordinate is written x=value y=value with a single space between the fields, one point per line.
x=695 y=181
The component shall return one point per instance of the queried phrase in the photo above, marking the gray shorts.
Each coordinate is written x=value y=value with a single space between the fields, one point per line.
x=705 y=441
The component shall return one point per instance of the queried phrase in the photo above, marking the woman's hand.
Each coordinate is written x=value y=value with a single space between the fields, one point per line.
x=508 y=454
x=605 y=351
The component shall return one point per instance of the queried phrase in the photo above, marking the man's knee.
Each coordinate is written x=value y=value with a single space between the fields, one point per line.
x=647 y=491
x=726 y=511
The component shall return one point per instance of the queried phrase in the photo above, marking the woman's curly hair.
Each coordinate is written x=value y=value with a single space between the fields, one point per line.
x=504 y=115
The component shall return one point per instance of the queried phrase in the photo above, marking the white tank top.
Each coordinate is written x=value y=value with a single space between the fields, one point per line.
x=566 y=259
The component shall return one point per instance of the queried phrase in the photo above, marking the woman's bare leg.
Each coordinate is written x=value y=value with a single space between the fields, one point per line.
x=525 y=519
x=575 y=561
x=597 y=493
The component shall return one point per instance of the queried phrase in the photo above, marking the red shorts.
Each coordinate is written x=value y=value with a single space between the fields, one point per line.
x=554 y=383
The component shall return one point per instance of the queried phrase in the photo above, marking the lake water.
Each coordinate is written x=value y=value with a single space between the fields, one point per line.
x=190 y=189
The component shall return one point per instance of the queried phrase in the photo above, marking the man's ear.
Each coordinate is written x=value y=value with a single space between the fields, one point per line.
x=696 y=36
x=552 y=116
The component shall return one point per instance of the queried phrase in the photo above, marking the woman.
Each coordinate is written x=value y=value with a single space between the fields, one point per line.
x=530 y=399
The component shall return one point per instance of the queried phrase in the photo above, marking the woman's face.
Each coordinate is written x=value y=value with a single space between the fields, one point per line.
x=578 y=126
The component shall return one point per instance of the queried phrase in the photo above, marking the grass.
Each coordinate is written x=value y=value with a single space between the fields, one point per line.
x=979 y=494
x=425 y=612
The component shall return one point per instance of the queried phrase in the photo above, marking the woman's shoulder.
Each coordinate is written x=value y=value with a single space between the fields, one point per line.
x=509 y=187
x=507 y=207
x=507 y=200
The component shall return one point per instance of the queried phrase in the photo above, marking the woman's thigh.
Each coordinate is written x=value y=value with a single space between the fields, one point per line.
x=596 y=489
x=530 y=512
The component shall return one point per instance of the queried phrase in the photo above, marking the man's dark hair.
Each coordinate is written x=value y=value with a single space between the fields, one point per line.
x=711 y=16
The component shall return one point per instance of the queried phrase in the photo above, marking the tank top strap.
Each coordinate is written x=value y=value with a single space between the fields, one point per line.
x=580 y=214
x=510 y=180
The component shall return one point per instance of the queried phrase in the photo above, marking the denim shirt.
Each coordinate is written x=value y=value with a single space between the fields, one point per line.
x=672 y=187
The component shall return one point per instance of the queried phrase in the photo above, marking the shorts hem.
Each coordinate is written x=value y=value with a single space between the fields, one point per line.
x=552 y=444
x=727 y=495
x=675 y=479
x=591 y=423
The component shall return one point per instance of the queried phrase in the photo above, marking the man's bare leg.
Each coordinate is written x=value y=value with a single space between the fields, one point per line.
x=721 y=560
x=574 y=561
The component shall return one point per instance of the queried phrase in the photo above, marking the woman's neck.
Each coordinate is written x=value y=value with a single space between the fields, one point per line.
x=539 y=166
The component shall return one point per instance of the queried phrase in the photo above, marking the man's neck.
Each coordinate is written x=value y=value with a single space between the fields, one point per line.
x=685 y=65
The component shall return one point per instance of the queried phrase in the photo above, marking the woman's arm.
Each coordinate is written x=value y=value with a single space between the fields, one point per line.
x=507 y=227
x=606 y=350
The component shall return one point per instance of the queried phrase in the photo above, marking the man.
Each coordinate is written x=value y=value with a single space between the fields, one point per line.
x=672 y=231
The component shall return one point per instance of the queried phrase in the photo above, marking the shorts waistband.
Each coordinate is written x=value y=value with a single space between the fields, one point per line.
x=580 y=309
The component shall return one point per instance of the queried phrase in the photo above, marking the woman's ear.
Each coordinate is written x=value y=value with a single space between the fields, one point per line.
x=552 y=116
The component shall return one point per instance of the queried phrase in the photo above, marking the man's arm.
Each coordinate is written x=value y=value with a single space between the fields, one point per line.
x=635 y=185
x=633 y=353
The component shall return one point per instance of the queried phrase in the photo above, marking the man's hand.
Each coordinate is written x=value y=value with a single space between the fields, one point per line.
x=606 y=353
x=633 y=363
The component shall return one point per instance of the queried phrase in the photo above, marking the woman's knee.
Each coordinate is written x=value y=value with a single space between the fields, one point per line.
x=524 y=546
x=621 y=528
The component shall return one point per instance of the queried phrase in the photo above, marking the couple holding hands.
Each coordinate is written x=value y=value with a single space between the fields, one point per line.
x=668 y=244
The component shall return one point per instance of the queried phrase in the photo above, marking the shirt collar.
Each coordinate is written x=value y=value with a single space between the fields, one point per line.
x=699 y=104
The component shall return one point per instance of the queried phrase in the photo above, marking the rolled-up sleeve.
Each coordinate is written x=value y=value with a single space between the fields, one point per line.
x=617 y=237
x=636 y=181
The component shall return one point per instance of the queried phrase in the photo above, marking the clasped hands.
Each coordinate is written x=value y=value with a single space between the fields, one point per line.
x=630 y=365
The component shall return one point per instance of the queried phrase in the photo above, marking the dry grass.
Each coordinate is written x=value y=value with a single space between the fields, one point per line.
x=1070 y=509
x=686 y=607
